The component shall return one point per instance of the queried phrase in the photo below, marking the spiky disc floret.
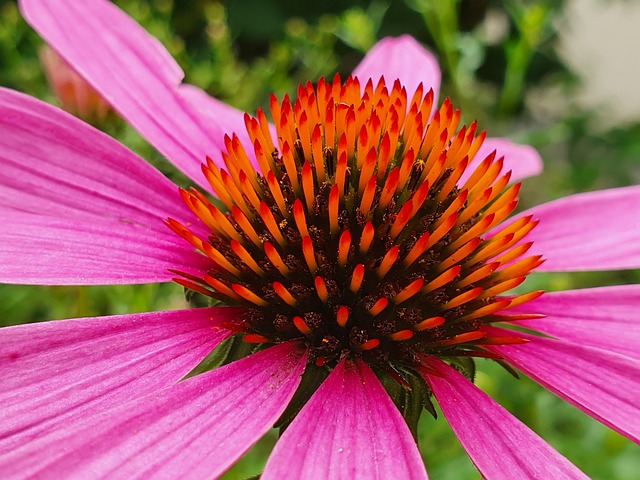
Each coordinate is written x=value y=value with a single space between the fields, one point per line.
x=362 y=233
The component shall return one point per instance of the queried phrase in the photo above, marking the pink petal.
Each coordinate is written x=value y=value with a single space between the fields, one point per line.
x=231 y=119
x=523 y=160
x=588 y=231
x=42 y=250
x=604 y=385
x=99 y=206
x=53 y=164
x=132 y=71
x=195 y=429
x=400 y=58
x=500 y=445
x=605 y=317
x=54 y=372
x=349 y=429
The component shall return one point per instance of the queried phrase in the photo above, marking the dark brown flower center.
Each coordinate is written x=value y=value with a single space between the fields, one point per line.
x=362 y=232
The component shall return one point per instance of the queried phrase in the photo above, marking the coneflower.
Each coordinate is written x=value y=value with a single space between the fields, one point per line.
x=359 y=246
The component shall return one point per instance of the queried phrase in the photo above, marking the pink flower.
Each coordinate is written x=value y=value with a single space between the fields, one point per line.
x=399 y=292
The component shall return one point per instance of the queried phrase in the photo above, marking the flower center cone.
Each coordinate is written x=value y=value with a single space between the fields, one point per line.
x=363 y=232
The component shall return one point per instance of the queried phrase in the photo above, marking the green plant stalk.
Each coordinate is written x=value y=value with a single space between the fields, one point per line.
x=519 y=56
x=441 y=19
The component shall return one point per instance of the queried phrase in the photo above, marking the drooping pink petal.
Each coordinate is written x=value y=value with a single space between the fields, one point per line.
x=132 y=71
x=588 y=231
x=400 y=58
x=195 y=429
x=53 y=164
x=349 y=429
x=231 y=119
x=605 y=317
x=500 y=445
x=55 y=372
x=41 y=250
x=602 y=384
x=523 y=160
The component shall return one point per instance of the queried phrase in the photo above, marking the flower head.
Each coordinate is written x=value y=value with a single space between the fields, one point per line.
x=363 y=237
x=358 y=234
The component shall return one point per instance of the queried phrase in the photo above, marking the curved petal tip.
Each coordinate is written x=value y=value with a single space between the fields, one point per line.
x=400 y=58
x=523 y=160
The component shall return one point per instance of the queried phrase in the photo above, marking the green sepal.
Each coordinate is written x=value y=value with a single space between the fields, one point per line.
x=312 y=378
x=229 y=350
x=197 y=300
x=408 y=396
x=508 y=368
x=427 y=404
x=465 y=365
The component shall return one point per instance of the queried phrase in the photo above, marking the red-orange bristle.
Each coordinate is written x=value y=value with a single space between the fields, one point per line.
x=301 y=325
x=369 y=345
x=275 y=259
x=401 y=335
x=284 y=294
x=379 y=306
x=431 y=322
x=248 y=295
x=342 y=316
x=309 y=254
x=356 y=278
x=334 y=204
x=387 y=261
x=366 y=238
x=344 y=244
x=409 y=291
x=442 y=279
x=321 y=288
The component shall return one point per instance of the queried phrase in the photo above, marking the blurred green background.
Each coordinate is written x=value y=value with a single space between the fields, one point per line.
x=534 y=71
